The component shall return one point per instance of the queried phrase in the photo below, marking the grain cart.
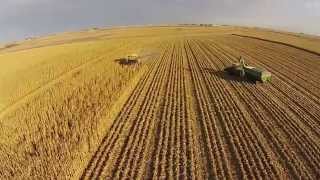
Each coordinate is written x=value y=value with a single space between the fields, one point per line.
x=244 y=71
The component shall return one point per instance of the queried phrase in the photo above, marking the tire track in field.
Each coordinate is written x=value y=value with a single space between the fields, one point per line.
x=306 y=149
x=99 y=160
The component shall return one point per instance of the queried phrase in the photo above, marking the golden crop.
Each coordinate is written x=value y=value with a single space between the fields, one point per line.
x=70 y=110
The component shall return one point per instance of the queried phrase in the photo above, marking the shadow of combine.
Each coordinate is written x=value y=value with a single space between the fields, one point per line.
x=228 y=77
x=125 y=62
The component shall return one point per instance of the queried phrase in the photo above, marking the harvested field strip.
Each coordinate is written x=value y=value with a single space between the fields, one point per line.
x=299 y=98
x=287 y=83
x=284 y=64
x=258 y=164
x=123 y=122
x=278 y=42
x=137 y=143
x=217 y=162
x=309 y=105
x=194 y=159
x=223 y=60
x=306 y=149
x=279 y=146
x=164 y=155
x=297 y=104
x=233 y=51
x=147 y=116
x=283 y=121
x=173 y=148
x=174 y=115
x=299 y=110
x=272 y=98
x=297 y=59
x=220 y=65
x=293 y=81
x=305 y=73
x=233 y=129
x=225 y=117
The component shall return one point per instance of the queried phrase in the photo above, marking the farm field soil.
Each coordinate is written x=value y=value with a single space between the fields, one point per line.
x=178 y=115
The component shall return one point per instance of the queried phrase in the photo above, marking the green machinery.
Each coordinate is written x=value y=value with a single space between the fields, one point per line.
x=244 y=71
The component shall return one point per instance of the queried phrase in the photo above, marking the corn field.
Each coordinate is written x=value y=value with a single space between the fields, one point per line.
x=79 y=114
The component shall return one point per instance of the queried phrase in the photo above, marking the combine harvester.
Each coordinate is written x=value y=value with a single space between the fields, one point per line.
x=252 y=73
x=131 y=59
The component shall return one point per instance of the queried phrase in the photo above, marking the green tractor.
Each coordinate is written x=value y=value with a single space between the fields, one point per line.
x=244 y=71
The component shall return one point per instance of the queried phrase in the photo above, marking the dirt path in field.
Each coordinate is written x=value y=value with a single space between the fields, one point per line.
x=186 y=119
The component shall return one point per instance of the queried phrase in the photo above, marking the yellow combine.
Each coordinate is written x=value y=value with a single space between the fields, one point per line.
x=131 y=59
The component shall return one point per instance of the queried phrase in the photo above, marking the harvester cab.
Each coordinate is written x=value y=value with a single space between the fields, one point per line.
x=242 y=70
x=133 y=59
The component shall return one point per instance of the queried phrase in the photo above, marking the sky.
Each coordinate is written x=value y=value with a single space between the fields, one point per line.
x=20 y=19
